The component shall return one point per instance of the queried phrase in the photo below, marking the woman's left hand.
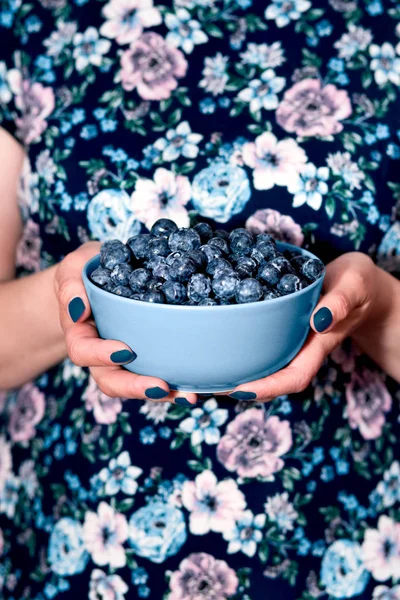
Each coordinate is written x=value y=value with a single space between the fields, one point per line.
x=349 y=295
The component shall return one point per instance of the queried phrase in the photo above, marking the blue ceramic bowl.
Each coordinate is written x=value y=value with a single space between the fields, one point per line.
x=206 y=349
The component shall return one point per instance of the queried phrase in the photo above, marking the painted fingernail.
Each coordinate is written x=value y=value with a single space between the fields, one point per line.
x=76 y=308
x=182 y=401
x=243 y=395
x=156 y=393
x=322 y=319
x=123 y=356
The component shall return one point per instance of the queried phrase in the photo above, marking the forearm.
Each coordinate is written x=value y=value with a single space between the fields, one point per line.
x=31 y=338
x=379 y=335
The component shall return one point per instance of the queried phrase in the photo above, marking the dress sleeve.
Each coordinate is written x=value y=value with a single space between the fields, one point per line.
x=10 y=76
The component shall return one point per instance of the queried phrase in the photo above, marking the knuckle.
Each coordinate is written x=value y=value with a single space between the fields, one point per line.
x=65 y=292
x=301 y=380
x=342 y=304
x=106 y=387
x=74 y=352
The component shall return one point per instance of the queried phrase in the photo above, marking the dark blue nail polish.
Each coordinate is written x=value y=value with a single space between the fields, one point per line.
x=243 y=395
x=322 y=319
x=155 y=393
x=76 y=308
x=123 y=356
x=182 y=401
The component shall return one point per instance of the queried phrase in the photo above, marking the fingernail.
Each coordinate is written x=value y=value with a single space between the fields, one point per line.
x=243 y=395
x=322 y=319
x=123 y=356
x=182 y=401
x=156 y=393
x=76 y=308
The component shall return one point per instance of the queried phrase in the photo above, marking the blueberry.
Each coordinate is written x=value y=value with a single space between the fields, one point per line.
x=163 y=228
x=100 y=276
x=256 y=255
x=138 y=244
x=224 y=286
x=199 y=287
x=138 y=279
x=282 y=264
x=162 y=270
x=208 y=302
x=270 y=294
x=249 y=290
x=120 y=274
x=157 y=247
x=312 y=269
x=297 y=262
x=245 y=267
x=181 y=269
x=190 y=303
x=205 y=232
x=109 y=287
x=122 y=290
x=137 y=295
x=289 y=254
x=155 y=262
x=221 y=233
x=154 y=296
x=211 y=252
x=155 y=284
x=264 y=237
x=198 y=258
x=223 y=302
x=218 y=264
x=267 y=249
x=289 y=283
x=171 y=257
x=241 y=241
x=174 y=292
x=114 y=255
x=268 y=273
x=219 y=243
x=184 y=239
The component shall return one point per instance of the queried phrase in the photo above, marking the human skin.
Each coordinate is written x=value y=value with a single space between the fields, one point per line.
x=37 y=331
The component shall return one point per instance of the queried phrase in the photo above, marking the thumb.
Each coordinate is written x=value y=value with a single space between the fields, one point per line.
x=346 y=291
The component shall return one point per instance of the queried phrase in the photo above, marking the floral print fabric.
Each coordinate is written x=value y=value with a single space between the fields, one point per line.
x=280 y=116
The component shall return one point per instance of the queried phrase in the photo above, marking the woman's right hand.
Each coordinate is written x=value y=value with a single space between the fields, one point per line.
x=86 y=349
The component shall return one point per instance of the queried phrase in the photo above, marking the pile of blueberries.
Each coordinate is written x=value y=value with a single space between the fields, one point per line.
x=201 y=267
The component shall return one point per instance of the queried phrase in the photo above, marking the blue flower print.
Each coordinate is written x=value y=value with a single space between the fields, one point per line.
x=5 y=92
x=89 y=48
x=204 y=422
x=179 y=142
x=110 y=216
x=284 y=11
x=246 y=534
x=185 y=32
x=9 y=495
x=120 y=475
x=310 y=186
x=389 y=487
x=342 y=571
x=220 y=191
x=66 y=551
x=262 y=93
x=385 y=63
x=157 y=531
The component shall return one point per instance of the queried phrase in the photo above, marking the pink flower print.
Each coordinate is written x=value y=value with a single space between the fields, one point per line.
x=29 y=246
x=104 y=533
x=152 y=67
x=127 y=18
x=381 y=549
x=253 y=445
x=201 y=576
x=309 y=109
x=27 y=412
x=367 y=401
x=105 y=409
x=281 y=227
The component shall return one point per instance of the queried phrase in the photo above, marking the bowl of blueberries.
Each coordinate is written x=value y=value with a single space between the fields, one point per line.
x=204 y=309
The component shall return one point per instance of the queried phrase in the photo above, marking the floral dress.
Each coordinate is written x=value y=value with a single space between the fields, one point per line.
x=276 y=115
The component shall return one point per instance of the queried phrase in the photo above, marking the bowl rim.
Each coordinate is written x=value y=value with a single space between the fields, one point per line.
x=243 y=307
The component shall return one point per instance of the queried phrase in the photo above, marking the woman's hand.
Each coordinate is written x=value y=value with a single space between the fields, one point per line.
x=86 y=349
x=350 y=296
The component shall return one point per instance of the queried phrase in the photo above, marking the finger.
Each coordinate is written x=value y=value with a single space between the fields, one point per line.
x=292 y=379
x=86 y=349
x=116 y=382
x=346 y=288
x=74 y=303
